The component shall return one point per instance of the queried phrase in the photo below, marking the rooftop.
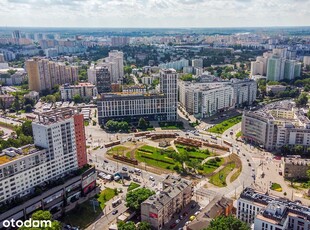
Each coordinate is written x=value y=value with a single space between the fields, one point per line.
x=11 y=153
x=55 y=115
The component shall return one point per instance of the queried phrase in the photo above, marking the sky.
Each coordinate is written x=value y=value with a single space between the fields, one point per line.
x=154 y=13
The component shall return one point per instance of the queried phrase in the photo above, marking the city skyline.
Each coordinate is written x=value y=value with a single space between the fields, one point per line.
x=154 y=13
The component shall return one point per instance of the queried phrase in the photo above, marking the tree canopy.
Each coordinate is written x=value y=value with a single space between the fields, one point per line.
x=227 y=223
x=302 y=100
x=131 y=226
x=136 y=197
x=43 y=215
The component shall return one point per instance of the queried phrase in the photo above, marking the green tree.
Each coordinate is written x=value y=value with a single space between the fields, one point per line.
x=129 y=225
x=28 y=108
x=227 y=223
x=77 y=98
x=144 y=226
x=50 y=98
x=302 y=100
x=136 y=197
x=43 y=215
x=25 y=129
x=142 y=123
x=187 y=77
x=16 y=104
x=127 y=69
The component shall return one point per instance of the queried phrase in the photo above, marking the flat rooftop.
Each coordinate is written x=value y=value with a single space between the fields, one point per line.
x=11 y=153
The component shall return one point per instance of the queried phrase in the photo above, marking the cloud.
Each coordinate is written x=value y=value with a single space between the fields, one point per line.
x=154 y=13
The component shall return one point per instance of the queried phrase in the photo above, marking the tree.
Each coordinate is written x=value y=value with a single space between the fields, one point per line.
x=144 y=226
x=28 y=108
x=43 y=215
x=16 y=104
x=25 y=128
x=127 y=69
x=187 y=77
x=227 y=223
x=302 y=100
x=136 y=197
x=142 y=123
x=129 y=225
x=50 y=98
x=77 y=98
x=28 y=101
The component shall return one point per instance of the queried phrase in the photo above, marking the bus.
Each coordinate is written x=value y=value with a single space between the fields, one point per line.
x=116 y=203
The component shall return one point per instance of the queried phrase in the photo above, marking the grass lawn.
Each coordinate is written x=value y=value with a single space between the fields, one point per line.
x=212 y=165
x=82 y=215
x=132 y=186
x=171 y=125
x=219 y=179
x=118 y=150
x=235 y=175
x=276 y=187
x=239 y=134
x=155 y=157
x=194 y=152
x=105 y=196
x=223 y=126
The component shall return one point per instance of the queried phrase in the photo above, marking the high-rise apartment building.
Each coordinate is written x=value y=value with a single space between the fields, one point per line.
x=44 y=74
x=275 y=68
x=115 y=64
x=306 y=61
x=103 y=80
x=60 y=148
x=85 y=90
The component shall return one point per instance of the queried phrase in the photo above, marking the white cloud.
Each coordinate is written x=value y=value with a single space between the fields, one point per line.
x=154 y=13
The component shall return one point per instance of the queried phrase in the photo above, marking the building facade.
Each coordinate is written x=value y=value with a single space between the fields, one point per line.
x=44 y=74
x=271 y=213
x=204 y=99
x=295 y=167
x=159 y=209
x=157 y=106
x=84 y=90
x=276 y=125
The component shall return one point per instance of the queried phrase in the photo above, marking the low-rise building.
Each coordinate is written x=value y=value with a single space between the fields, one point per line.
x=6 y=100
x=219 y=206
x=275 y=88
x=33 y=95
x=270 y=212
x=295 y=167
x=159 y=209
x=85 y=90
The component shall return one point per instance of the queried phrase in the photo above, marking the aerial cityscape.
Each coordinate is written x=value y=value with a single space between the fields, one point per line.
x=184 y=115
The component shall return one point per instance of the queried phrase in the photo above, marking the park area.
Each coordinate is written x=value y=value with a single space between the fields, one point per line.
x=227 y=124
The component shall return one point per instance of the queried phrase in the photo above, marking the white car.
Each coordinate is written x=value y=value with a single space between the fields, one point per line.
x=177 y=221
x=187 y=223
x=197 y=213
x=152 y=178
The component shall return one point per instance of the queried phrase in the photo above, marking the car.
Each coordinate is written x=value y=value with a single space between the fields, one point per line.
x=187 y=223
x=200 y=209
x=68 y=226
x=152 y=178
x=192 y=218
x=193 y=206
x=247 y=160
x=105 y=161
x=115 y=212
x=280 y=173
x=185 y=213
x=249 y=164
x=153 y=184
x=173 y=225
x=124 y=169
x=180 y=217
x=197 y=213
x=253 y=169
x=131 y=171
x=180 y=228
x=177 y=221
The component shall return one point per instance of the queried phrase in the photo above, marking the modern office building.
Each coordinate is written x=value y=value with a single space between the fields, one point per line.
x=270 y=212
x=60 y=148
x=84 y=90
x=276 y=125
x=159 y=209
x=154 y=106
x=204 y=99
x=44 y=74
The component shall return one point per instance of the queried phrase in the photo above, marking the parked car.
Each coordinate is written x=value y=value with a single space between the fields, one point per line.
x=173 y=225
x=152 y=178
x=124 y=169
x=115 y=212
